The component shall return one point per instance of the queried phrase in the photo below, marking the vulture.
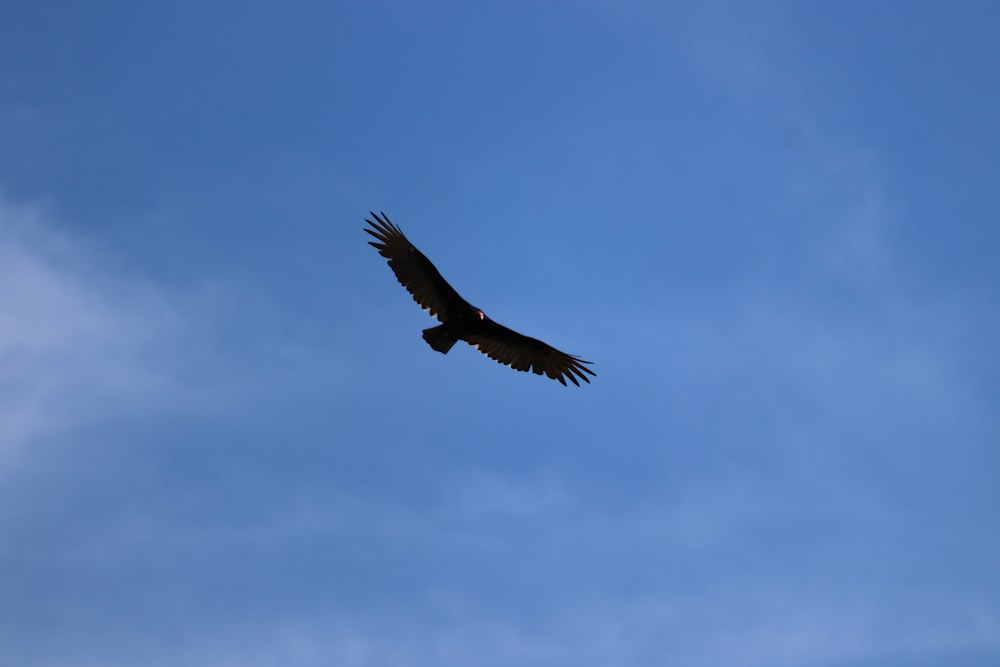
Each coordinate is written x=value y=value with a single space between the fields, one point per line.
x=460 y=320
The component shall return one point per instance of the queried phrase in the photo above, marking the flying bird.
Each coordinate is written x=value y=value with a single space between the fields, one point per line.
x=460 y=320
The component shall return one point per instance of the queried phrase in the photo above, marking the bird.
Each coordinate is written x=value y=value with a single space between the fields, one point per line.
x=460 y=320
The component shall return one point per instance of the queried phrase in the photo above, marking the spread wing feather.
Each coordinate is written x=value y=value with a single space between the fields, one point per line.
x=413 y=270
x=524 y=353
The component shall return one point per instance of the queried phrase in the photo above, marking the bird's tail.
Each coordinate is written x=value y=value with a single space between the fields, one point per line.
x=439 y=338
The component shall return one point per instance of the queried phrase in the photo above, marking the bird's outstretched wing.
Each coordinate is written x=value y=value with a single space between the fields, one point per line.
x=413 y=270
x=524 y=353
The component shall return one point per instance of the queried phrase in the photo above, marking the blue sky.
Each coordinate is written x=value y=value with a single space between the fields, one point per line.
x=772 y=225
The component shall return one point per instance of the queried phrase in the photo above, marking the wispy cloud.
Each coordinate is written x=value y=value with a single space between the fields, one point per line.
x=78 y=341
x=722 y=630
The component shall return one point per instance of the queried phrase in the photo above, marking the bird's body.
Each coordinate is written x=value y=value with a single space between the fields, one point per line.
x=460 y=320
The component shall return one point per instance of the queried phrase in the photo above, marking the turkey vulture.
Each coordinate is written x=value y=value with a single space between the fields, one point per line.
x=460 y=320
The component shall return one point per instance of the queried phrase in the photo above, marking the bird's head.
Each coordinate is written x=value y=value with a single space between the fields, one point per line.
x=480 y=314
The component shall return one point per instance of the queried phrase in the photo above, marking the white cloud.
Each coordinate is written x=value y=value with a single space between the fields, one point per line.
x=778 y=628
x=77 y=342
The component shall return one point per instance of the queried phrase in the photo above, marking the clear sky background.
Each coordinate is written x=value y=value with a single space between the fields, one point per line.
x=773 y=226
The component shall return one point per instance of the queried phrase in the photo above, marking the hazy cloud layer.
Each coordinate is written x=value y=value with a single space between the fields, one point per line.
x=78 y=343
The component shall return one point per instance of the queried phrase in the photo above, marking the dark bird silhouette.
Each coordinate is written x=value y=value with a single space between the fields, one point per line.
x=460 y=320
